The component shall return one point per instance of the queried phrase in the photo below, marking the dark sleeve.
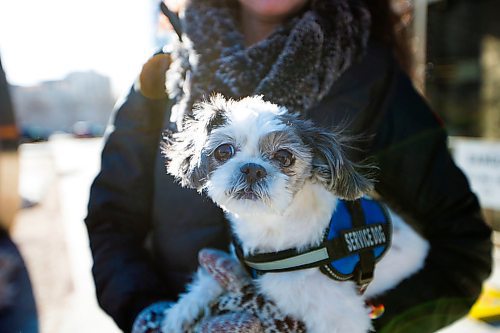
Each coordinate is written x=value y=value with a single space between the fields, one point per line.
x=9 y=136
x=6 y=109
x=119 y=210
x=419 y=179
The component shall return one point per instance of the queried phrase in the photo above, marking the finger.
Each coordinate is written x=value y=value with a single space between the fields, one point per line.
x=227 y=271
x=231 y=323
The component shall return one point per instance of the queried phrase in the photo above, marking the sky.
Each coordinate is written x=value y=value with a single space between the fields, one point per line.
x=46 y=39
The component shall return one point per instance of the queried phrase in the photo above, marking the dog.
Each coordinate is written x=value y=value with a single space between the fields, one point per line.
x=280 y=178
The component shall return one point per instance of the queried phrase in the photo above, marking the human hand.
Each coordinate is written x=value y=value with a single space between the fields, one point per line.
x=241 y=308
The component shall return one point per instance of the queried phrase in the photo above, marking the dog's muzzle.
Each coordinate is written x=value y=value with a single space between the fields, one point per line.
x=253 y=172
x=250 y=183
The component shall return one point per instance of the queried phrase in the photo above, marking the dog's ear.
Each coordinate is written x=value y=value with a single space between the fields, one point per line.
x=184 y=150
x=330 y=166
x=184 y=159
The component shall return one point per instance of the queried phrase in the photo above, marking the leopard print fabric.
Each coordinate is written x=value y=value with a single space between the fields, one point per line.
x=231 y=322
x=242 y=307
x=258 y=311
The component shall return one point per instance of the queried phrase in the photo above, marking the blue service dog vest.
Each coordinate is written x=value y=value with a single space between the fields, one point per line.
x=358 y=236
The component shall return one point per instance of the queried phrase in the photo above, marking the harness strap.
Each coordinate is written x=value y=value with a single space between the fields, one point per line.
x=173 y=18
x=363 y=274
x=349 y=250
x=291 y=259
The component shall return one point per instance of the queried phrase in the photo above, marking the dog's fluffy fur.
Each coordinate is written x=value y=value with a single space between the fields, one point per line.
x=287 y=205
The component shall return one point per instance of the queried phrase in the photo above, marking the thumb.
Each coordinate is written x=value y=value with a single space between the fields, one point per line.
x=225 y=269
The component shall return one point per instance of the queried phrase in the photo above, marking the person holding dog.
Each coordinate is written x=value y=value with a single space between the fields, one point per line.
x=335 y=62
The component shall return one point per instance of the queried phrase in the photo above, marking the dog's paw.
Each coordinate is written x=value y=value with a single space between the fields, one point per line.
x=180 y=319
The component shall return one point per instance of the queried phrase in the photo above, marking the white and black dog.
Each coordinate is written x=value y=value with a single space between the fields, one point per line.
x=280 y=179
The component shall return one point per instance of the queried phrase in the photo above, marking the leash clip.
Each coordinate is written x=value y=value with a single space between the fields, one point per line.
x=363 y=279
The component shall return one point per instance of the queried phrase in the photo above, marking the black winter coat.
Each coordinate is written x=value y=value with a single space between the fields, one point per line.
x=145 y=231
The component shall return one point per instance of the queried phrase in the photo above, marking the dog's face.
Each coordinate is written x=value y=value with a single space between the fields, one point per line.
x=253 y=154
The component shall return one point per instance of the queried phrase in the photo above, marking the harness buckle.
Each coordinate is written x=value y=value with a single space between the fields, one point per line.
x=363 y=279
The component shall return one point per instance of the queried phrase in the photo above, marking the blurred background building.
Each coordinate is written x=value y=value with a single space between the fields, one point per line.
x=80 y=104
x=462 y=83
x=463 y=61
x=68 y=62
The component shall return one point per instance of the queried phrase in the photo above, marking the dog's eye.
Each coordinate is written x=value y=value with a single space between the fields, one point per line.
x=284 y=158
x=224 y=152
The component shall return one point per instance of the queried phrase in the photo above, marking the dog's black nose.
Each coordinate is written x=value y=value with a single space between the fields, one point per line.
x=253 y=172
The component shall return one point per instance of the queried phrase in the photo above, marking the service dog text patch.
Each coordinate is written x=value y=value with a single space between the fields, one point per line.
x=365 y=237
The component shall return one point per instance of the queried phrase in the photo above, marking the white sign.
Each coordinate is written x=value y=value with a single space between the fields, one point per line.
x=480 y=161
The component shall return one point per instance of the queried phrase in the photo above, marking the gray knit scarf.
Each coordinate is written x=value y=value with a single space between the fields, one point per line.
x=294 y=67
